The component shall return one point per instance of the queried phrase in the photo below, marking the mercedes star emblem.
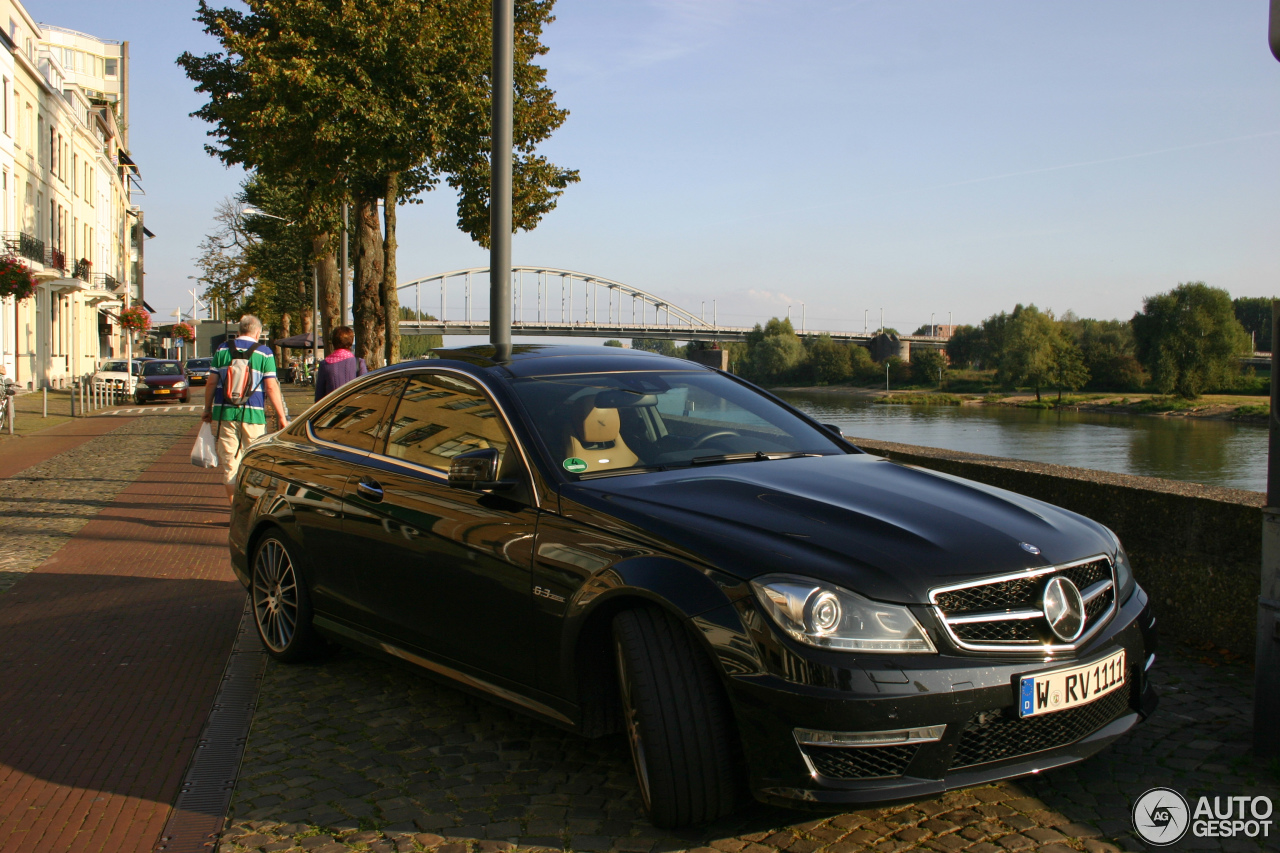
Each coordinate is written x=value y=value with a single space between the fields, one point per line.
x=1064 y=608
x=1029 y=548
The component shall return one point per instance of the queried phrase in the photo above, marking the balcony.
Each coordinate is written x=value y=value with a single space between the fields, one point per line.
x=106 y=280
x=24 y=246
x=55 y=259
x=83 y=270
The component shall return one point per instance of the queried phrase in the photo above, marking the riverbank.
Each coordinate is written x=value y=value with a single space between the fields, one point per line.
x=1233 y=407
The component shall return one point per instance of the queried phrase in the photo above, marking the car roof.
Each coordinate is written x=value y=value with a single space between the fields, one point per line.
x=559 y=359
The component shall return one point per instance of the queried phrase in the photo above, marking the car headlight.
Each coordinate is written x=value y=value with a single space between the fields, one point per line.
x=140 y=386
x=1124 y=570
x=824 y=615
x=178 y=386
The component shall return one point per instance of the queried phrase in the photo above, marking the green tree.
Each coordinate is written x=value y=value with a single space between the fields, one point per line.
x=928 y=366
x=659 y=345
x=829 y=361
x=1189 y=339
x=1068 y=370
x=861 y=366
x=375 y=102
x=1106 y=347
x=417 y=346
x=1254 y=314
x=1026 y=356
x=613 y=343
x=965 y=346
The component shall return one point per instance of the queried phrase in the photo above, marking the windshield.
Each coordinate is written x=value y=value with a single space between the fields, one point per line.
x=161 y=368
x=113 y=367
x=197 y=362
x=624 y=422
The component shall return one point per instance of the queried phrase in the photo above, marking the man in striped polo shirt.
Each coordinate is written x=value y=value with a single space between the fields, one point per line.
x=235 y=426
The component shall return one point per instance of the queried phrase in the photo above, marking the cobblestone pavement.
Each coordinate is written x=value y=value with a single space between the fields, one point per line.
x=43 y=506
x=357 y=754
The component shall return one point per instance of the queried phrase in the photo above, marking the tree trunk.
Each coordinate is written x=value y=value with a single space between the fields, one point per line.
x=1037 y=392
x=327 y=274
x=370 y=322
x=390 y=296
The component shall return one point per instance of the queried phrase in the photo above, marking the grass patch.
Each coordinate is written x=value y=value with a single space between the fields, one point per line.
x=1036 y=404
x=1167 y=404
x=921 y=400
x=1254 y=411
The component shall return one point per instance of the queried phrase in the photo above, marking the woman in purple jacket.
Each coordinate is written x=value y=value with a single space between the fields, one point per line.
x=341 y=365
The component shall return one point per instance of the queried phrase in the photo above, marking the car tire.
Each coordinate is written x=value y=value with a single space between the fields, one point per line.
x=281 y=603
x=676 y=718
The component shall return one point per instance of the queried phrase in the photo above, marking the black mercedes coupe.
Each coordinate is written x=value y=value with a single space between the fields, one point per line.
x=617 y=541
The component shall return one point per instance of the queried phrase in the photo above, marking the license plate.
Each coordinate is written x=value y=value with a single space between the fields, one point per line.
x=1060 y=689
x=162 y=391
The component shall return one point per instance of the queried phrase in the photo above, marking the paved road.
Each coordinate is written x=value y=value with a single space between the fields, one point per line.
x=354 y=752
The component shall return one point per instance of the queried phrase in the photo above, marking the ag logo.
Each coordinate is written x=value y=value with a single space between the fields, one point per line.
x=1161 y=817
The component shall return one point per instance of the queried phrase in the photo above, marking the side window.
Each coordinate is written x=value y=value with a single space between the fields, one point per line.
x=357 y=420
x=441 y=415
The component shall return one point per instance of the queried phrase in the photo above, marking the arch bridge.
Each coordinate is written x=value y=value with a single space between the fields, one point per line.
x=567 y=303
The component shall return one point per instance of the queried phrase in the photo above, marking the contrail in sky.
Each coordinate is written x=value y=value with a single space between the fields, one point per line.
x=1106 y=160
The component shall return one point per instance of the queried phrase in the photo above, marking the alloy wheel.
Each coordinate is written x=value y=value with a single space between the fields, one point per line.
x=634 y=738
x=275 y=595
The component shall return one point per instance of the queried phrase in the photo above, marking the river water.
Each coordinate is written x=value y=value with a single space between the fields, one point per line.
x=1215 y=453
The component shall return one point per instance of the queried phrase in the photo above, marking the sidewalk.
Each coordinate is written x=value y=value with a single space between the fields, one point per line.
x=111 y=650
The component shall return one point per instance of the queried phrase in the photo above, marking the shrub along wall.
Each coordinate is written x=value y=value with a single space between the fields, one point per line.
x=1197 y=550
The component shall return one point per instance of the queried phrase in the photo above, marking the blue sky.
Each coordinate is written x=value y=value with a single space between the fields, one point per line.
x=920 y=157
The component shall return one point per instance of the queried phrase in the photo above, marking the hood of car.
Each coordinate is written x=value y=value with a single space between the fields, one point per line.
x=885 y=530
x=162 y=381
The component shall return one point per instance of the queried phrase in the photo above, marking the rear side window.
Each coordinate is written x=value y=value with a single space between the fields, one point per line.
x=441 y=415
x=358 y=420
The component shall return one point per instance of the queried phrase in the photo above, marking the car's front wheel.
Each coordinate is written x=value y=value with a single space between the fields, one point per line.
x=281 y=605
x=677 y=720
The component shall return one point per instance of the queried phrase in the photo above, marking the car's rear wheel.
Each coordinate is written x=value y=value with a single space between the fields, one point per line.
x=677 y=720
x=281 y=605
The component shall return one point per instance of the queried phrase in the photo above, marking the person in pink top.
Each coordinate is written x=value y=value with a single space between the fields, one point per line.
x=341 y=365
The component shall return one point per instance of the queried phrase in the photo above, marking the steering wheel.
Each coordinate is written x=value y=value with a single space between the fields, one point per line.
x=720 y=433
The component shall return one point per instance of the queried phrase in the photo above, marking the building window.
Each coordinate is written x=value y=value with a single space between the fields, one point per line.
x=111 y=67
x=6 y=105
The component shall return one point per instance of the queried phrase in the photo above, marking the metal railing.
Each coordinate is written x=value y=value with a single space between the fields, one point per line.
x=84 y=270
x=55 y=258
x=107 y=280
x=24 y=246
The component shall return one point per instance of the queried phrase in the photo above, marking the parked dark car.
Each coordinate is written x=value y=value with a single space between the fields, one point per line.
x=161 y=380
x=620 y=541
x=197 y=370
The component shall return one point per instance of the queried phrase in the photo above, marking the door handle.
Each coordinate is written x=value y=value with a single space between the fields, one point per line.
x=370 y=489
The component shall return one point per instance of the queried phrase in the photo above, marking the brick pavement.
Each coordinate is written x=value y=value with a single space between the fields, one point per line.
x=111 y=652
x=44 y=504
x=20 y=452
x=355 y=754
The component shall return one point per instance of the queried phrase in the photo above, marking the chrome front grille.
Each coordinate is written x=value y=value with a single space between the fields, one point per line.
x=1005 y=613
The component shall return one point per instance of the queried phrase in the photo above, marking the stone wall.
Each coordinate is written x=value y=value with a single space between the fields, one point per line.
x=1196 y=549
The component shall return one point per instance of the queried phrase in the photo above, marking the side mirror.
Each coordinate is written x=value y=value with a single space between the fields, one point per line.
x=477 y=470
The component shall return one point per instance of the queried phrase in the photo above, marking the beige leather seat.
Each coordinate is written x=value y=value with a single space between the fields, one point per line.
x=597 y=441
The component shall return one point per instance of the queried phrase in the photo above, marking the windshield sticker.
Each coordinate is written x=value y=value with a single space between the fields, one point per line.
x=574 y=465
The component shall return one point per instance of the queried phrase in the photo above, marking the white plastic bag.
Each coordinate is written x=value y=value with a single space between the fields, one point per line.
x=205 y=452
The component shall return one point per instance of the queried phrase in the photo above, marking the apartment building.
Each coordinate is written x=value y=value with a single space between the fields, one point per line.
x=68 y=186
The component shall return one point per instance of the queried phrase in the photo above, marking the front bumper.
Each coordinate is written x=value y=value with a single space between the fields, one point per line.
x=197 y=379
x=974 y=697
x=148 y=394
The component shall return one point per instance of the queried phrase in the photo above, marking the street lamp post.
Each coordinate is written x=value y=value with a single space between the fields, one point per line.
x=500 y=178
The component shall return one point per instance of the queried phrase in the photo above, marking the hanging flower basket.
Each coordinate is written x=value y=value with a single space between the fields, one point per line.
x=15 y=279
x=183 y=332
x=135 y=318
